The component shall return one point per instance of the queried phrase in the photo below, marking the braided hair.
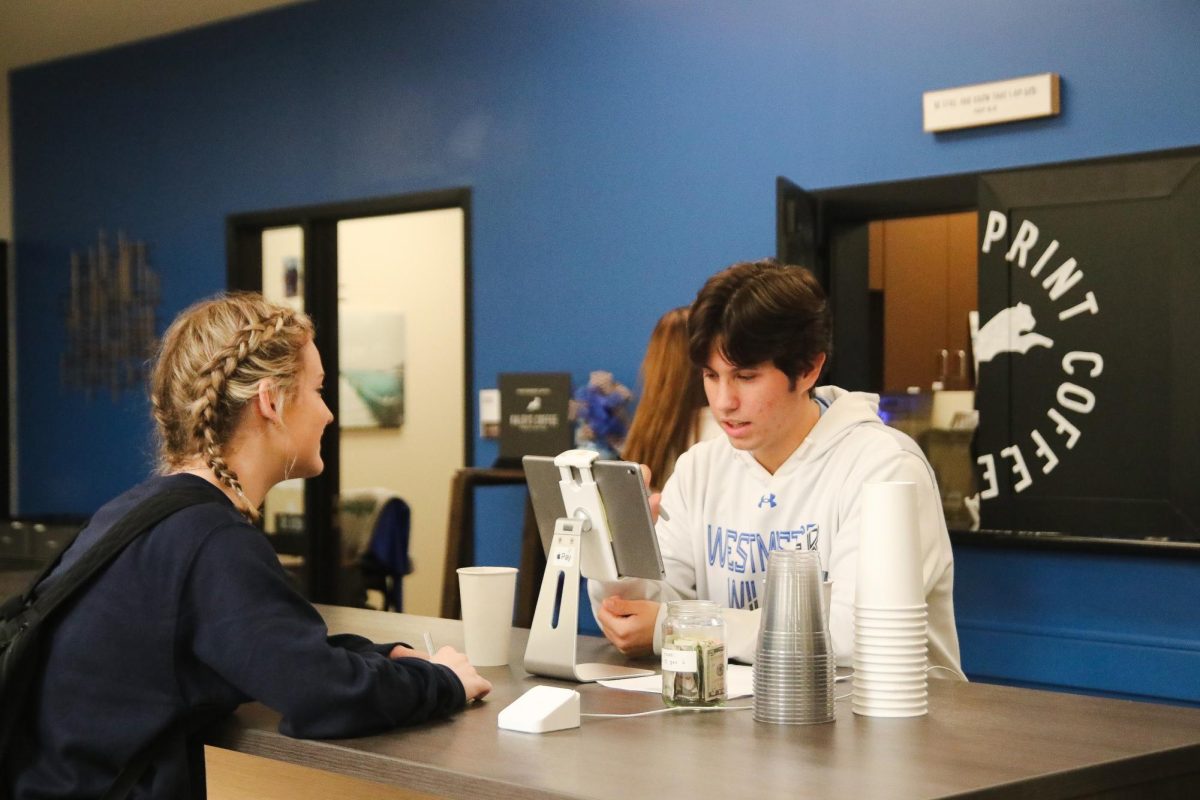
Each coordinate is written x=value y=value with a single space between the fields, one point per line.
x=209 y=365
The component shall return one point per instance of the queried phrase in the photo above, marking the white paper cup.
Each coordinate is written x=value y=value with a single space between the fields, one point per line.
x=886 y=631
x=879 y=656
x=917 y=694
x=874 y=689
x=890 y=658
x=891 y=642
x=889 y=552
x=868 y=670
x=487 y=610
x=917 y=703
x=892 y=629
x=880 y=685
x=875 y=710
x=916 y=612
x=864 y=629
x=864 y=618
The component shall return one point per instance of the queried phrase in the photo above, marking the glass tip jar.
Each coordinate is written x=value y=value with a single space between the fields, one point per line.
x=693 y=654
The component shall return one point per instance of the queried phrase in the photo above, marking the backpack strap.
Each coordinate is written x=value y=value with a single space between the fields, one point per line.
x=144 y=516
x=39 y=606
x=23 y=598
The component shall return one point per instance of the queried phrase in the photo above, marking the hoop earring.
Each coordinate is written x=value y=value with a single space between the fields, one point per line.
x=287 y=471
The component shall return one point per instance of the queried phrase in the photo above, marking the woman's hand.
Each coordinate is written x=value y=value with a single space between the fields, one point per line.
x=475 y=685
x=404 y=651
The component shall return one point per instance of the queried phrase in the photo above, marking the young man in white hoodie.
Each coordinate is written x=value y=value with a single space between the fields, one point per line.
x=788 y=473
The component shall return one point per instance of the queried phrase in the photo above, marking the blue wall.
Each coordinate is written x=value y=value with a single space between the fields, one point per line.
x=618 y=152
x=1094 y=622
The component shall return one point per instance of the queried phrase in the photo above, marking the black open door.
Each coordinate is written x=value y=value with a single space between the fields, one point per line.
x=796 y=229
x=1087 y=381
x=5 y=469
x=839 y=260
x=315 y=536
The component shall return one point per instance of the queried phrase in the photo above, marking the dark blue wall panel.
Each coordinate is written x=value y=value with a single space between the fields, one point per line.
x=618 y=153
x=1091 y=621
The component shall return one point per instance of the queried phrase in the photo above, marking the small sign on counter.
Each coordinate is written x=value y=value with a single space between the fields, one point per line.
x=534 y=418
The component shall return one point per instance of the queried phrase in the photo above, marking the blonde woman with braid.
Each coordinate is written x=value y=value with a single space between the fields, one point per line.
x=196 y=616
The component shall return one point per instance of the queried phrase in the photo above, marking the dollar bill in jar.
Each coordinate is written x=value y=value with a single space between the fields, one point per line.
x=693 y=654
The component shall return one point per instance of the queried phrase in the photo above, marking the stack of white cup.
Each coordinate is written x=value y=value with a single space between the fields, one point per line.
x=890 y=617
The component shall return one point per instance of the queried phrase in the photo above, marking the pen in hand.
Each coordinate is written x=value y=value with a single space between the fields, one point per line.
x=428 y=643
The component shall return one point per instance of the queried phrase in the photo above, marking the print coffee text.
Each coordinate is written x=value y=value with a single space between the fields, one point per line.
x=1073 y=395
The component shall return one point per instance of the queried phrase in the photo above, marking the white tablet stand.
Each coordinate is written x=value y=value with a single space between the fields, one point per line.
x=581 y=545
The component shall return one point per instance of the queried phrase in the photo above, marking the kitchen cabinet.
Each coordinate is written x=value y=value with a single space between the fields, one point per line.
x=926 y=269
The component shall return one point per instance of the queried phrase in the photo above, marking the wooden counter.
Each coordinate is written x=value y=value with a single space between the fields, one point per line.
x=979 y=739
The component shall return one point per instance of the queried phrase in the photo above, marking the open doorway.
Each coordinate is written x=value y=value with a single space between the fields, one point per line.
x=903 y=290
x=923 y=281
x=387 y=285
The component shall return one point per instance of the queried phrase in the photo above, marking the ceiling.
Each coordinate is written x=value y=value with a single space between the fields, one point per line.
x=42 y=30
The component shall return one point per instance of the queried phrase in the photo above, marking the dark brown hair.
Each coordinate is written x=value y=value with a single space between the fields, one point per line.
x=759 y=311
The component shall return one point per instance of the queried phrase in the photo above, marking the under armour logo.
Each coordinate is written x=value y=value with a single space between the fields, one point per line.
x=766 y=498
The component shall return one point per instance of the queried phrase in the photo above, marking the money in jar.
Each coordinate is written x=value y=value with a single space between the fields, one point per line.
x=693 y=654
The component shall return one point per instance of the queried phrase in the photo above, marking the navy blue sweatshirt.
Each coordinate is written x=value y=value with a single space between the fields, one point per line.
x=194 y=618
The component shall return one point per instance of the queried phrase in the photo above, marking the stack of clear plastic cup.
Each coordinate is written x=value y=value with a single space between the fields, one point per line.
x=794 y=662
x=890 y=615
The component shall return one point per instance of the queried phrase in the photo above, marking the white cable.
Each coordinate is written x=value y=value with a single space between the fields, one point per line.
x=672 y=708
x=951 y=670
x=740 y=708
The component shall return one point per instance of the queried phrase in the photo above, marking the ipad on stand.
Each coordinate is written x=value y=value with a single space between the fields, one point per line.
x=594 y=520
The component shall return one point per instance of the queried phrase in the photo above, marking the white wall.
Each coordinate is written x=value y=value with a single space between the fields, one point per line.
x=411 y=264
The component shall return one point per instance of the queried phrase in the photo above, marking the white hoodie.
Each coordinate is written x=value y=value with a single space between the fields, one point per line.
x=724 y=513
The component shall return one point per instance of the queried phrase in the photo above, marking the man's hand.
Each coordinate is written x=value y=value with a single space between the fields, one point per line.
x=629 y=624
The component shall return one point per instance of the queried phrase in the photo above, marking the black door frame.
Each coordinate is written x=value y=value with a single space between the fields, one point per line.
x=839 y=217
x=828 y=210
x=5 y=409
x=243 y=237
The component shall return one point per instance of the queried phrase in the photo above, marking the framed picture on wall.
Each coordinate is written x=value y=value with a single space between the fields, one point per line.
x=371 y=379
